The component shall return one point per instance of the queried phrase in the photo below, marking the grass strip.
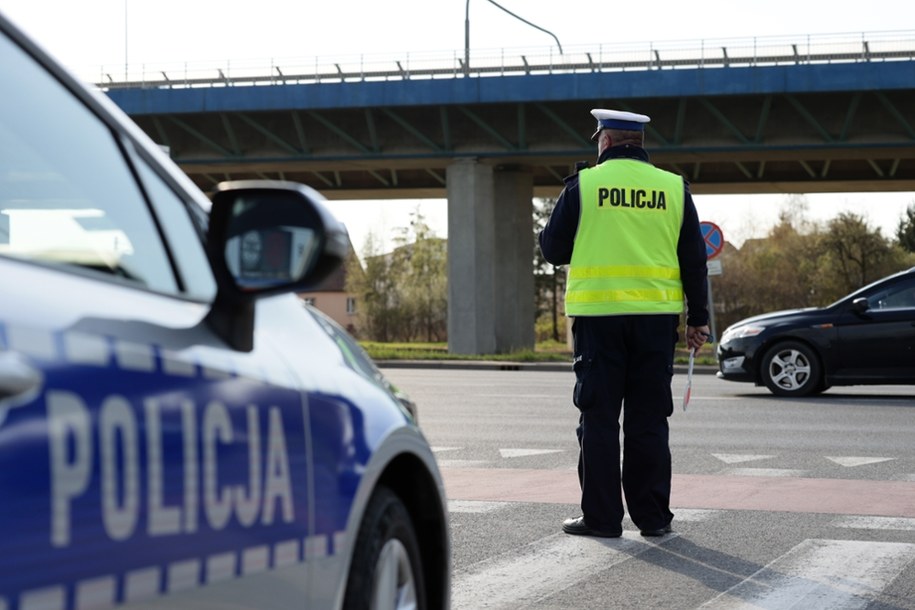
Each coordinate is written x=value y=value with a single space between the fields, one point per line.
x=543 y=352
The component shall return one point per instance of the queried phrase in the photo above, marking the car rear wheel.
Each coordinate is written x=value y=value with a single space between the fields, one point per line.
x=791 y=368
x=386 y=572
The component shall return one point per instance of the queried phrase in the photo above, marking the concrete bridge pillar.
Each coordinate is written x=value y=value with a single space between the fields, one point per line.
x=490 y=259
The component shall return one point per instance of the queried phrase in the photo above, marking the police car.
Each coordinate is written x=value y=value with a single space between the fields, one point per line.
x=176 y=431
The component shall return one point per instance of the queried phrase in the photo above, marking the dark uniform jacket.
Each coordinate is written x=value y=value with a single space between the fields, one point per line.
x=558 y=237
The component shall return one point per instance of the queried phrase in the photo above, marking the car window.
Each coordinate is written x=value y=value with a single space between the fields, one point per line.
x=900 y=295
x=182 y=234
x=62 y=205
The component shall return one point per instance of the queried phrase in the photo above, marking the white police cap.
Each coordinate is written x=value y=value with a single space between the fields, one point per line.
x=618 y=119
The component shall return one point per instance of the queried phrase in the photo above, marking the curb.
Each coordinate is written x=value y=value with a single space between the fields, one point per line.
x=494 y=365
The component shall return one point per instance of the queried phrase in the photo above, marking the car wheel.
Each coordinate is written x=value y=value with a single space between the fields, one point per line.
x=791 y=369
x=386 y=572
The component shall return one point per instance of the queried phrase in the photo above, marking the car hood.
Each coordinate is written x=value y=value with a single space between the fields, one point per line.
x=776 y=316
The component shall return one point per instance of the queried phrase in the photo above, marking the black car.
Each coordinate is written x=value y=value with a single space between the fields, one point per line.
x=867 y=337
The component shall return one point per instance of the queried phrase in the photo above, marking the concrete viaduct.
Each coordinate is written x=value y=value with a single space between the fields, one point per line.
x=824 y=114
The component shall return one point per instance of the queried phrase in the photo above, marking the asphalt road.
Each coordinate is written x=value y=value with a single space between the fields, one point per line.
x=778 y=503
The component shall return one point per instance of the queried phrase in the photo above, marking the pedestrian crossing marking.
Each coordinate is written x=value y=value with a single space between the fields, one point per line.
x=693 y=515
x=876 y=523
x=559 y=561
x=851 y=462
x=845 y=574
x=818 y=574
x=734 y=458
x=513 y=453
x=474 y=506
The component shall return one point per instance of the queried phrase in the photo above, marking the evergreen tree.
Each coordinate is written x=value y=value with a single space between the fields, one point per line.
x=549 y=281
x=905 y=232
x=858 y=253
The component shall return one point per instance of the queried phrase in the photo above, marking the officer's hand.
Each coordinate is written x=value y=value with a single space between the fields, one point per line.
x=696 y=336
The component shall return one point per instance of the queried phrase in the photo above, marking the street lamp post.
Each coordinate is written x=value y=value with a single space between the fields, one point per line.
x=467 y=39
x=125 y=42
x=499 y=6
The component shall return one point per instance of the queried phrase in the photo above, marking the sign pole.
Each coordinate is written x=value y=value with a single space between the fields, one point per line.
x=714 y=244
x=711 y=310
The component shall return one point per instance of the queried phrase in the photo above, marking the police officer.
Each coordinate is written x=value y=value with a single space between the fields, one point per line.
x=630 y=235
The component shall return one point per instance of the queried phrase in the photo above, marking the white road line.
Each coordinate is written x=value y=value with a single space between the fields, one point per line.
x=851 y=462
x=513 y=453
x=876 y=523
x=461 y=463
x=507 y=394
x=820 y=574
x=734 y=458
x=710 y=398
x=542 y=568
x=764 y=472
x=474 y=506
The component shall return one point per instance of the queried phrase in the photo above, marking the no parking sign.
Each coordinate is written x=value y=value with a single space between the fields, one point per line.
x=714 y=244
x=714 y=238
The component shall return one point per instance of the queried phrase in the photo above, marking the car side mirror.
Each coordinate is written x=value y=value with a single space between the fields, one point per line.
x=266 y=237
x=860 y=305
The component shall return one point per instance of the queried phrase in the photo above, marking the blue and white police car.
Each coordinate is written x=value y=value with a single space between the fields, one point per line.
x=176 y=431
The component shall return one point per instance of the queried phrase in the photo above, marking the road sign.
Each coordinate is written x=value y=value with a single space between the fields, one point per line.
x=714 y=238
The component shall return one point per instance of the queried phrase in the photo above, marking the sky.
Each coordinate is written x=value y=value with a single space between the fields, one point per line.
x=94 y=37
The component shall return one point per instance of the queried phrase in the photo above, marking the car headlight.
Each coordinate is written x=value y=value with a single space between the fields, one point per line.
x=740 y=332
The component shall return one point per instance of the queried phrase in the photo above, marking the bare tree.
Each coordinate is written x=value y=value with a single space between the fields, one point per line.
x=803 y=264
x=403 y=293
x=373 y=284
x=422 y=267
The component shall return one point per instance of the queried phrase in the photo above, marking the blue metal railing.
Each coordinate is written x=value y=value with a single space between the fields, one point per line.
x=722 y=53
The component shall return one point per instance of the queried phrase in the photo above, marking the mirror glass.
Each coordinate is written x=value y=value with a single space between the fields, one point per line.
x=272 y=241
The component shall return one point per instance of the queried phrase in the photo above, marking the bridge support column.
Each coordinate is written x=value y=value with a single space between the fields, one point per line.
x=490 y=259
x=514 y=264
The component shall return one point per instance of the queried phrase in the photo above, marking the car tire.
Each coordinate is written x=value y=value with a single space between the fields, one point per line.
x=386 y=571
x=792 y=368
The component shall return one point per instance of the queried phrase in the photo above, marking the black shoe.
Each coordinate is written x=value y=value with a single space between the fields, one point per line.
x=577 y=527
x=658 y=532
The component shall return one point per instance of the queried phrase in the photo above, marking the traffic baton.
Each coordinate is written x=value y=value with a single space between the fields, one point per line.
x=689 y=377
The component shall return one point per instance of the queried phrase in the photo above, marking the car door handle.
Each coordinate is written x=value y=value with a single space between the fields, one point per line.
x=18 y=378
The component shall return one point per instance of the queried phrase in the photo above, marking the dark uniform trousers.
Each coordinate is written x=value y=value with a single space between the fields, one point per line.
x=624 y=363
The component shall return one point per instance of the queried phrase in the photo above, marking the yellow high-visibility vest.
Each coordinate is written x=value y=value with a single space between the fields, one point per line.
x=624 y=260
